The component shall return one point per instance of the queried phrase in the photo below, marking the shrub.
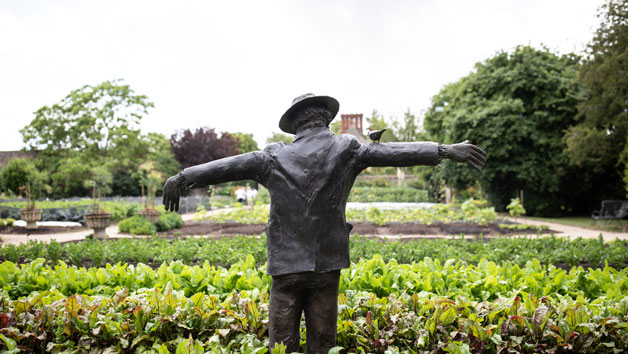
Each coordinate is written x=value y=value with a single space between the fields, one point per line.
x=7 y=222
x=11 y=253
x=15 y=174
x=120 y=209
x=515 y=208
x=54 y=251
x=169 y=220
x=137 y=225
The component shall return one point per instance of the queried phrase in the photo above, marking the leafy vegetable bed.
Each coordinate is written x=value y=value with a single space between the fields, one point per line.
x=388 y=194
x=226 y=251
x=366 y=194
x=440 y=213
x=383 y=306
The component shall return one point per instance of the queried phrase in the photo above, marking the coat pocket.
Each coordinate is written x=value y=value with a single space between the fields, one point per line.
x=348 y=227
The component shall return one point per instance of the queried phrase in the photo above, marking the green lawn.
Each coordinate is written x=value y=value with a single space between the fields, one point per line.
x=586 y=222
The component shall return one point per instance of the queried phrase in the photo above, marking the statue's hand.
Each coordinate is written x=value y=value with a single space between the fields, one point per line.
x=467 y=153
x=172 y=190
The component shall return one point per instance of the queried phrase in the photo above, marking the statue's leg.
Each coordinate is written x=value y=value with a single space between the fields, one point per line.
x=286 y=306
x=321 y=312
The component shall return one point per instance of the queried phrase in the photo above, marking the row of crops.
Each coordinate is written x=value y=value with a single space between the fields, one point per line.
x=154 y=251
x=383 y=306
x=199 y=295
x=368 y=194
x=469 y=211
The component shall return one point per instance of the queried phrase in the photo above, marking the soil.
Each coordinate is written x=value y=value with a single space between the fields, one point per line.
x=40 y=230
x=457 y=228
x=211 y=228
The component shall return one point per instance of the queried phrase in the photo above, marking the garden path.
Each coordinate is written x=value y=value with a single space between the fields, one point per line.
x=573 y=231
x=112 y=232
x=16 y=239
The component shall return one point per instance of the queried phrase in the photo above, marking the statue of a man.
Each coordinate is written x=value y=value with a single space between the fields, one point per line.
x=307 y=235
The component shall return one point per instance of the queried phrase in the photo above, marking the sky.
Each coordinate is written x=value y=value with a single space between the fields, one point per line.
x=236 y=65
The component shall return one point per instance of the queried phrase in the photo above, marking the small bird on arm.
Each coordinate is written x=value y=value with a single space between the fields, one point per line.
x=375 y=135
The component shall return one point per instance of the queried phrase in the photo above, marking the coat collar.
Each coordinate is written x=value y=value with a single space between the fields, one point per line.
x=312 y=132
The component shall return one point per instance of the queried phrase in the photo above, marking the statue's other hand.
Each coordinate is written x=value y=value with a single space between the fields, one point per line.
x=468 y=153
x=172 y=190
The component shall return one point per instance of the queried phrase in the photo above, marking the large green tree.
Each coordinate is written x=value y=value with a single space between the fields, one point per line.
x=376 y=121
x=280 y=138
x=409 y=128
x=91 y=119
x=152 y=149
x=516 y=106
x=95 y=125
x=335 y=126
x=18 y=173
x=246 y=142
x=599 y=139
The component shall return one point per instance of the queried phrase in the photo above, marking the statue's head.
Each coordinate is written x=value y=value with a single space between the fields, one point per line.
x=307 y=111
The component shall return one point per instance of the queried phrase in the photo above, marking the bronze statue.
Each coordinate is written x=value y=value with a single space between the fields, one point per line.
x=307 y=235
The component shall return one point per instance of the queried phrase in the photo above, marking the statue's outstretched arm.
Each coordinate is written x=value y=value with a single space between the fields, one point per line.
x=235 y=168
x=420 y=153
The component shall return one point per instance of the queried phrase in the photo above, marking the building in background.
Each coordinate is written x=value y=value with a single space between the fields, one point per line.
x=352 y=124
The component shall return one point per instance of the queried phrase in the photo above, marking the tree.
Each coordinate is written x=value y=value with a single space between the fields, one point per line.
x=376 y=122
x=68 y=175
x=152 y=148
x=599 y=138
x=90 y=120
x=20 y=172
x=95 y=126
x=409 y=129
x=246 y=142
x=280 y=138
x=515 y=106
x=160 y=153
x=202 y=145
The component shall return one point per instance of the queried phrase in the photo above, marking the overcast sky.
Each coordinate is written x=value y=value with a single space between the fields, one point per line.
x=237 y=65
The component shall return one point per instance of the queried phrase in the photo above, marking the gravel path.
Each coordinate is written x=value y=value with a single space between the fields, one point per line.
x=573 y=231
x=16 y=239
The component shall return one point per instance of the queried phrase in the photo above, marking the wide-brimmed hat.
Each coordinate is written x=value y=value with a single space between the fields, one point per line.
x=285 y=123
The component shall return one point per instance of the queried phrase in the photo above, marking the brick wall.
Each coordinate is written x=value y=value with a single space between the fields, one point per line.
x=6 y=156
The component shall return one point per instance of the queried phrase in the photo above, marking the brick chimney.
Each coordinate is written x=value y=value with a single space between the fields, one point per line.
x=349 y=121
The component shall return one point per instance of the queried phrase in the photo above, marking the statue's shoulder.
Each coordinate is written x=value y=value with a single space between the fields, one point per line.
x=273 y=148
x=348 y=140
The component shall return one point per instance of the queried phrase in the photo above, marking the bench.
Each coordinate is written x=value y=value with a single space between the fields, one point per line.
x=611 y=210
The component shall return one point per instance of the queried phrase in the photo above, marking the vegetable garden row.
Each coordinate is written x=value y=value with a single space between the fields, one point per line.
x=552 y=250
x=456 y=300
x=439 y=213
x=368 y=194
x=198 y=295
x=384 y=306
